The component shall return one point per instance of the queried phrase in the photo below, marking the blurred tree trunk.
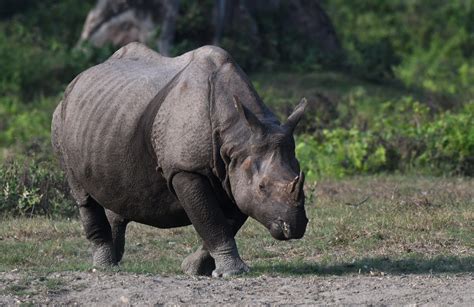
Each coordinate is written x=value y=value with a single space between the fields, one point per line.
x=293 y=24
x=168 y=27
x=221 y=14
x=309 y=18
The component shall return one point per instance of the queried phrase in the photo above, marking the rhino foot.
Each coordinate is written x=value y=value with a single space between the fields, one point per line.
x=199 y=263
x=230 y=268
x=228 y=262
x=103 y=255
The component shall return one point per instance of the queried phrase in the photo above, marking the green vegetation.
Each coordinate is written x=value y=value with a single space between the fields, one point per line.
x=399 y=101
x=403 y=137
x=32 y=188
x=366 y=225
x=427 y=44
x=387 y=122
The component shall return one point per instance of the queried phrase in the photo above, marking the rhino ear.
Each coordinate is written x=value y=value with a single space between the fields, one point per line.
x=252 y=121
x=296 y=116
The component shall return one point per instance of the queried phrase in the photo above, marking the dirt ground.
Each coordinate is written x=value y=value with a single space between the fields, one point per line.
x=99 y=288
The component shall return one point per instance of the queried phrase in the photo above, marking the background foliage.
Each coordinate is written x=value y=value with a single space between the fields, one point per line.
x=399 y=100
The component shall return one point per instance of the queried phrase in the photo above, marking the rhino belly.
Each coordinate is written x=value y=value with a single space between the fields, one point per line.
x=133 y=189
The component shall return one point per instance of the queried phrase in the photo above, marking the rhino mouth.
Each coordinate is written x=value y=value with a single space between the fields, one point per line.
x=281 y=230
x=277 y=230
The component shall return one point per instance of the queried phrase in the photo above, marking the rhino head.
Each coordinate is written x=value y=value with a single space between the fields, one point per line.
x=265 y=176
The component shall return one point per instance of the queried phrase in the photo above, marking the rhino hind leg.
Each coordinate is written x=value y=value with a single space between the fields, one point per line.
x=98 y=232
x=199 y=263
x=118 y=227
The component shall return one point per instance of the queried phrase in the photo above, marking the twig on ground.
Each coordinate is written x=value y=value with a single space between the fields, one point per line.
x=359 y=203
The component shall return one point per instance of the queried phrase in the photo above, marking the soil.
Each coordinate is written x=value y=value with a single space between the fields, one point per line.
x=103 y=288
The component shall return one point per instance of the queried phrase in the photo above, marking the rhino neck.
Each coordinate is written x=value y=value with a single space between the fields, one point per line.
x=228 y=81
x=230 y=132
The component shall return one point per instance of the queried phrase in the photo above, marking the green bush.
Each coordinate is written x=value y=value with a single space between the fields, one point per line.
x=428 y=44
x=403 y=137
x=340 y=152
x=442 y=142
x=441 y=68
x=31 y=187
x=450 y=142
x=21 y=123
x=34 y=65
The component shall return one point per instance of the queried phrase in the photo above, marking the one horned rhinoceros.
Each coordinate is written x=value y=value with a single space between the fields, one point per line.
x=170 y=142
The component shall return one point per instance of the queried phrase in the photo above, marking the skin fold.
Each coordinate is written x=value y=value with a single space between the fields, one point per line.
x=170 y=142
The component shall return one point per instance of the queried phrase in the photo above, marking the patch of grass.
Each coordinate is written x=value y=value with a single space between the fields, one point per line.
x=20 y=289
x=54 y=284
x=367 y=225
x=34 y=284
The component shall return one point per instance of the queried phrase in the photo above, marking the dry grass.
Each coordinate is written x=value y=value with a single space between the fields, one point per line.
x=360 y=225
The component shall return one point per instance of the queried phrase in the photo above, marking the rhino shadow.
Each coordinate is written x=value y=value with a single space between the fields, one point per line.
x=373 y=265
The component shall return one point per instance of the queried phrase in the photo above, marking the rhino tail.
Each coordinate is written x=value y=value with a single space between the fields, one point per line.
x=55 y=130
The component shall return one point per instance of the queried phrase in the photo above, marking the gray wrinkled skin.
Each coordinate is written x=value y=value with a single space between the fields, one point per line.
x=170 y=142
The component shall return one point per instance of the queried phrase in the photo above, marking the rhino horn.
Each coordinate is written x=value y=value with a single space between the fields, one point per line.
x=297 y=190
x=293 y=183
x=296 y=116
x=252 y=121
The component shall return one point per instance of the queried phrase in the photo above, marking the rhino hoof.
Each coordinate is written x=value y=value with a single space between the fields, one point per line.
x=233 y=270
x=103 y=256
x=198 y=263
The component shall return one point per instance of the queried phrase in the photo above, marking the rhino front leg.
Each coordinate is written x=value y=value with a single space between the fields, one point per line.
x=197 y=197
x=201 y=262
x=118 y=225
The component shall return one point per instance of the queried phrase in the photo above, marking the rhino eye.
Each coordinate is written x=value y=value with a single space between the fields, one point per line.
x=261 y=186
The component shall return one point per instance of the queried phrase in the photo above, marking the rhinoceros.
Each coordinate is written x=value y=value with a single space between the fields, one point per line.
x=170 y=142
